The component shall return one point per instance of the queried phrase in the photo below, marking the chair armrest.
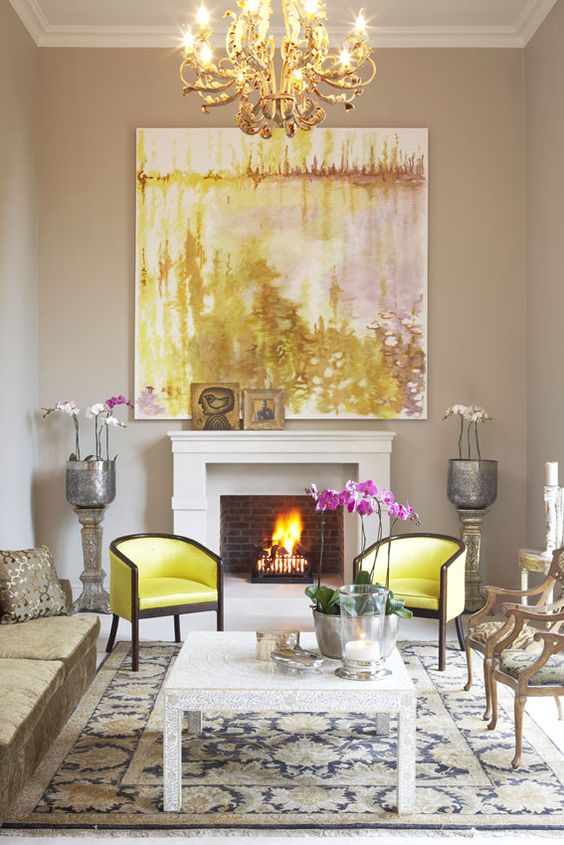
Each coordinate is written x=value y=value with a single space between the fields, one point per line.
x=124 y=584
x=493 y=595
x=517 y=616
x=533 y=614
x=553 y=638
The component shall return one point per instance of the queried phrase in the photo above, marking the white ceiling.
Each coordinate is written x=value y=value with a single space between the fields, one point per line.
x=393 y=23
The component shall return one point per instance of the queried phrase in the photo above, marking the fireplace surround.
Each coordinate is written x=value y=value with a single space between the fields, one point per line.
x=208 y=465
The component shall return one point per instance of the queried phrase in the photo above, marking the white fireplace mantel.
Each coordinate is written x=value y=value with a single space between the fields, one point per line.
x=207 y=465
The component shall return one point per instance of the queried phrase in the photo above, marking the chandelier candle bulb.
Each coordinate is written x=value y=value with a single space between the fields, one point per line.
x=202 y=16
x=551 y=474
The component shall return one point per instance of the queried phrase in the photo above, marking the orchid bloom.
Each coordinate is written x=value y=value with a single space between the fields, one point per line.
x=69 y=408
x=94 y=410
x=472 y=415
x=117 y=400
x=113 y=421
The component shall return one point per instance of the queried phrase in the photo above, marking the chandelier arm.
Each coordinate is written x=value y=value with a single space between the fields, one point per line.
x=212 y=102
x=343 y=84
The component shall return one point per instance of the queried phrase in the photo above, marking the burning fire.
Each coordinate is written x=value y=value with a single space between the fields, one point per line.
x=284 y=556
x=288 y=532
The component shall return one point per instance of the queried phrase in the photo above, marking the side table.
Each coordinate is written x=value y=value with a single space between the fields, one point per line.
x=533 y=560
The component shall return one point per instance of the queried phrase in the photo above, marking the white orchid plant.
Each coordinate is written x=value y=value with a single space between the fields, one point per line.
x=471 y=415
x=104 y=419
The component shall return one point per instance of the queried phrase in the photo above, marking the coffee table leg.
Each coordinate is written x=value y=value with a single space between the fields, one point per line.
x=172 y=754
x=406 y=757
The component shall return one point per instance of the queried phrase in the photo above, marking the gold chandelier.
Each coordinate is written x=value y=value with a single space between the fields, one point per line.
x=311 y=71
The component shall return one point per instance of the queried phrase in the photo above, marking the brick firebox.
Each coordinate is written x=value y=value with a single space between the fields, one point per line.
x=248 y=521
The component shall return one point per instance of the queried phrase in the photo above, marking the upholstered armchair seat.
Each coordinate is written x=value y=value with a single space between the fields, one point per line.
x=162 y=575
x=417 y=592
x=162 y=592
x=514 y=661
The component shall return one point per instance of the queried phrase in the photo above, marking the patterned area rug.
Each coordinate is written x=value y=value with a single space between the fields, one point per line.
x=284 y=772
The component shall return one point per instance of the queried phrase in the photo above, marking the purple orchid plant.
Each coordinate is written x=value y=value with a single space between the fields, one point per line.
x=103 y=415
x=366 y=499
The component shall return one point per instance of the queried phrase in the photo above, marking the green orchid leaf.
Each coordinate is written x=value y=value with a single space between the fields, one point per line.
x=362 y=577
x=326 y=598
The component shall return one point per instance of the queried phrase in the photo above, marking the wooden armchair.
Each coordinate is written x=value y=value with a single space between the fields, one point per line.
x=529 y=673
x=486 y=633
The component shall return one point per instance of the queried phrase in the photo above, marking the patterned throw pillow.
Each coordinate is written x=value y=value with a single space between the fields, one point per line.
x=29 y=586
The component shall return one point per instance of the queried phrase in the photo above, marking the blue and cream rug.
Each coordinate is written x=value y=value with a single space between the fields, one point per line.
x=271 y=771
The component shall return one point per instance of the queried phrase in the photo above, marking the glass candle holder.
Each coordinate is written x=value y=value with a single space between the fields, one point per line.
x=362 y=631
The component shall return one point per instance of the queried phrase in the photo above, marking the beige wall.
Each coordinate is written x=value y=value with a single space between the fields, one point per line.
x=472 y=103
x=18 y=280
x=544 y=59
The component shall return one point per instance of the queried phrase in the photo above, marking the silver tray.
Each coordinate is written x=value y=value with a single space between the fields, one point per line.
x=297 y=658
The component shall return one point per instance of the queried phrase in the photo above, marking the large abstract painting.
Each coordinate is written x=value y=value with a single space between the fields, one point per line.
x=283 y=263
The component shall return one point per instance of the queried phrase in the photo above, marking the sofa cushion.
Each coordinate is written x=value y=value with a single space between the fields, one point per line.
x=26 y=687
x=29 y=587
x=63 y=638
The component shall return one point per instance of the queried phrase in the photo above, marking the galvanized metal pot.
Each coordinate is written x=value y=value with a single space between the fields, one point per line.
x=472 y=484
x=328 y=633
x=91 y=484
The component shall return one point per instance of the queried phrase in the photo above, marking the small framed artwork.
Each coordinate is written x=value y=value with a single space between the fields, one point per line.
x=215 y=407
x=263 y=408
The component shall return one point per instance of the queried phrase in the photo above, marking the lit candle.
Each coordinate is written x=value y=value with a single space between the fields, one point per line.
x=364 y=650
x=551 y=474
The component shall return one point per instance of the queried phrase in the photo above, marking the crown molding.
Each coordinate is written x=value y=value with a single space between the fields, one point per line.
x=532 y=17
x=46 y=34
x=33 y=18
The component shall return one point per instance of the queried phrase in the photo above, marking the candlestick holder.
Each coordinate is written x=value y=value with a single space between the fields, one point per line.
x=362 y=632
x=553 y=511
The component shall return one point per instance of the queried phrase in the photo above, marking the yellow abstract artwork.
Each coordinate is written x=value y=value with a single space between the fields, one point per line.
x=284 y=263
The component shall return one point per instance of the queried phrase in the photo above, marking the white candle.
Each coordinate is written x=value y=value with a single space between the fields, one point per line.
x=362 y=650
x=551 y=474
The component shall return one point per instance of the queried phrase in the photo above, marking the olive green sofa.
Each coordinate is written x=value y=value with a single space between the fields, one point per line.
x=46 y=665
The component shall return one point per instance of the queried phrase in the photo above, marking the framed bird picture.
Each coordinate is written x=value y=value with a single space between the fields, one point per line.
x=215 y=407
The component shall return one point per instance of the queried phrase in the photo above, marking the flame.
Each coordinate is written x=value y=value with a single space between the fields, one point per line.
x=288 y=531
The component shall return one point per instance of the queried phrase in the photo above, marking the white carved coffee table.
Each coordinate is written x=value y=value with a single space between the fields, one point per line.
x=219 y=671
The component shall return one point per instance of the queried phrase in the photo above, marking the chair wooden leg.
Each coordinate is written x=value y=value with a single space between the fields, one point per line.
x=113 y=632
x=177 y=628
x=219 y=625
x=520 y=702
x=559 y=707
x=493 y=693
x=135 y=645
x=442 y=643
x=488 y=684
x=460 y=632
x=468 y=650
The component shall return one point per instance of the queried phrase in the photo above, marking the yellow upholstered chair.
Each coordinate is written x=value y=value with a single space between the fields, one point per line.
x=427 y=571
x=161 y=575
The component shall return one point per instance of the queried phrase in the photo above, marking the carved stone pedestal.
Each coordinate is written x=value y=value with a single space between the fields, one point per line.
x=471 y=521
x=93 y=596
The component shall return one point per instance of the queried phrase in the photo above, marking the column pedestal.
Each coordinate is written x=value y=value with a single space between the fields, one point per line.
x=471 y=521
x=93 y=596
